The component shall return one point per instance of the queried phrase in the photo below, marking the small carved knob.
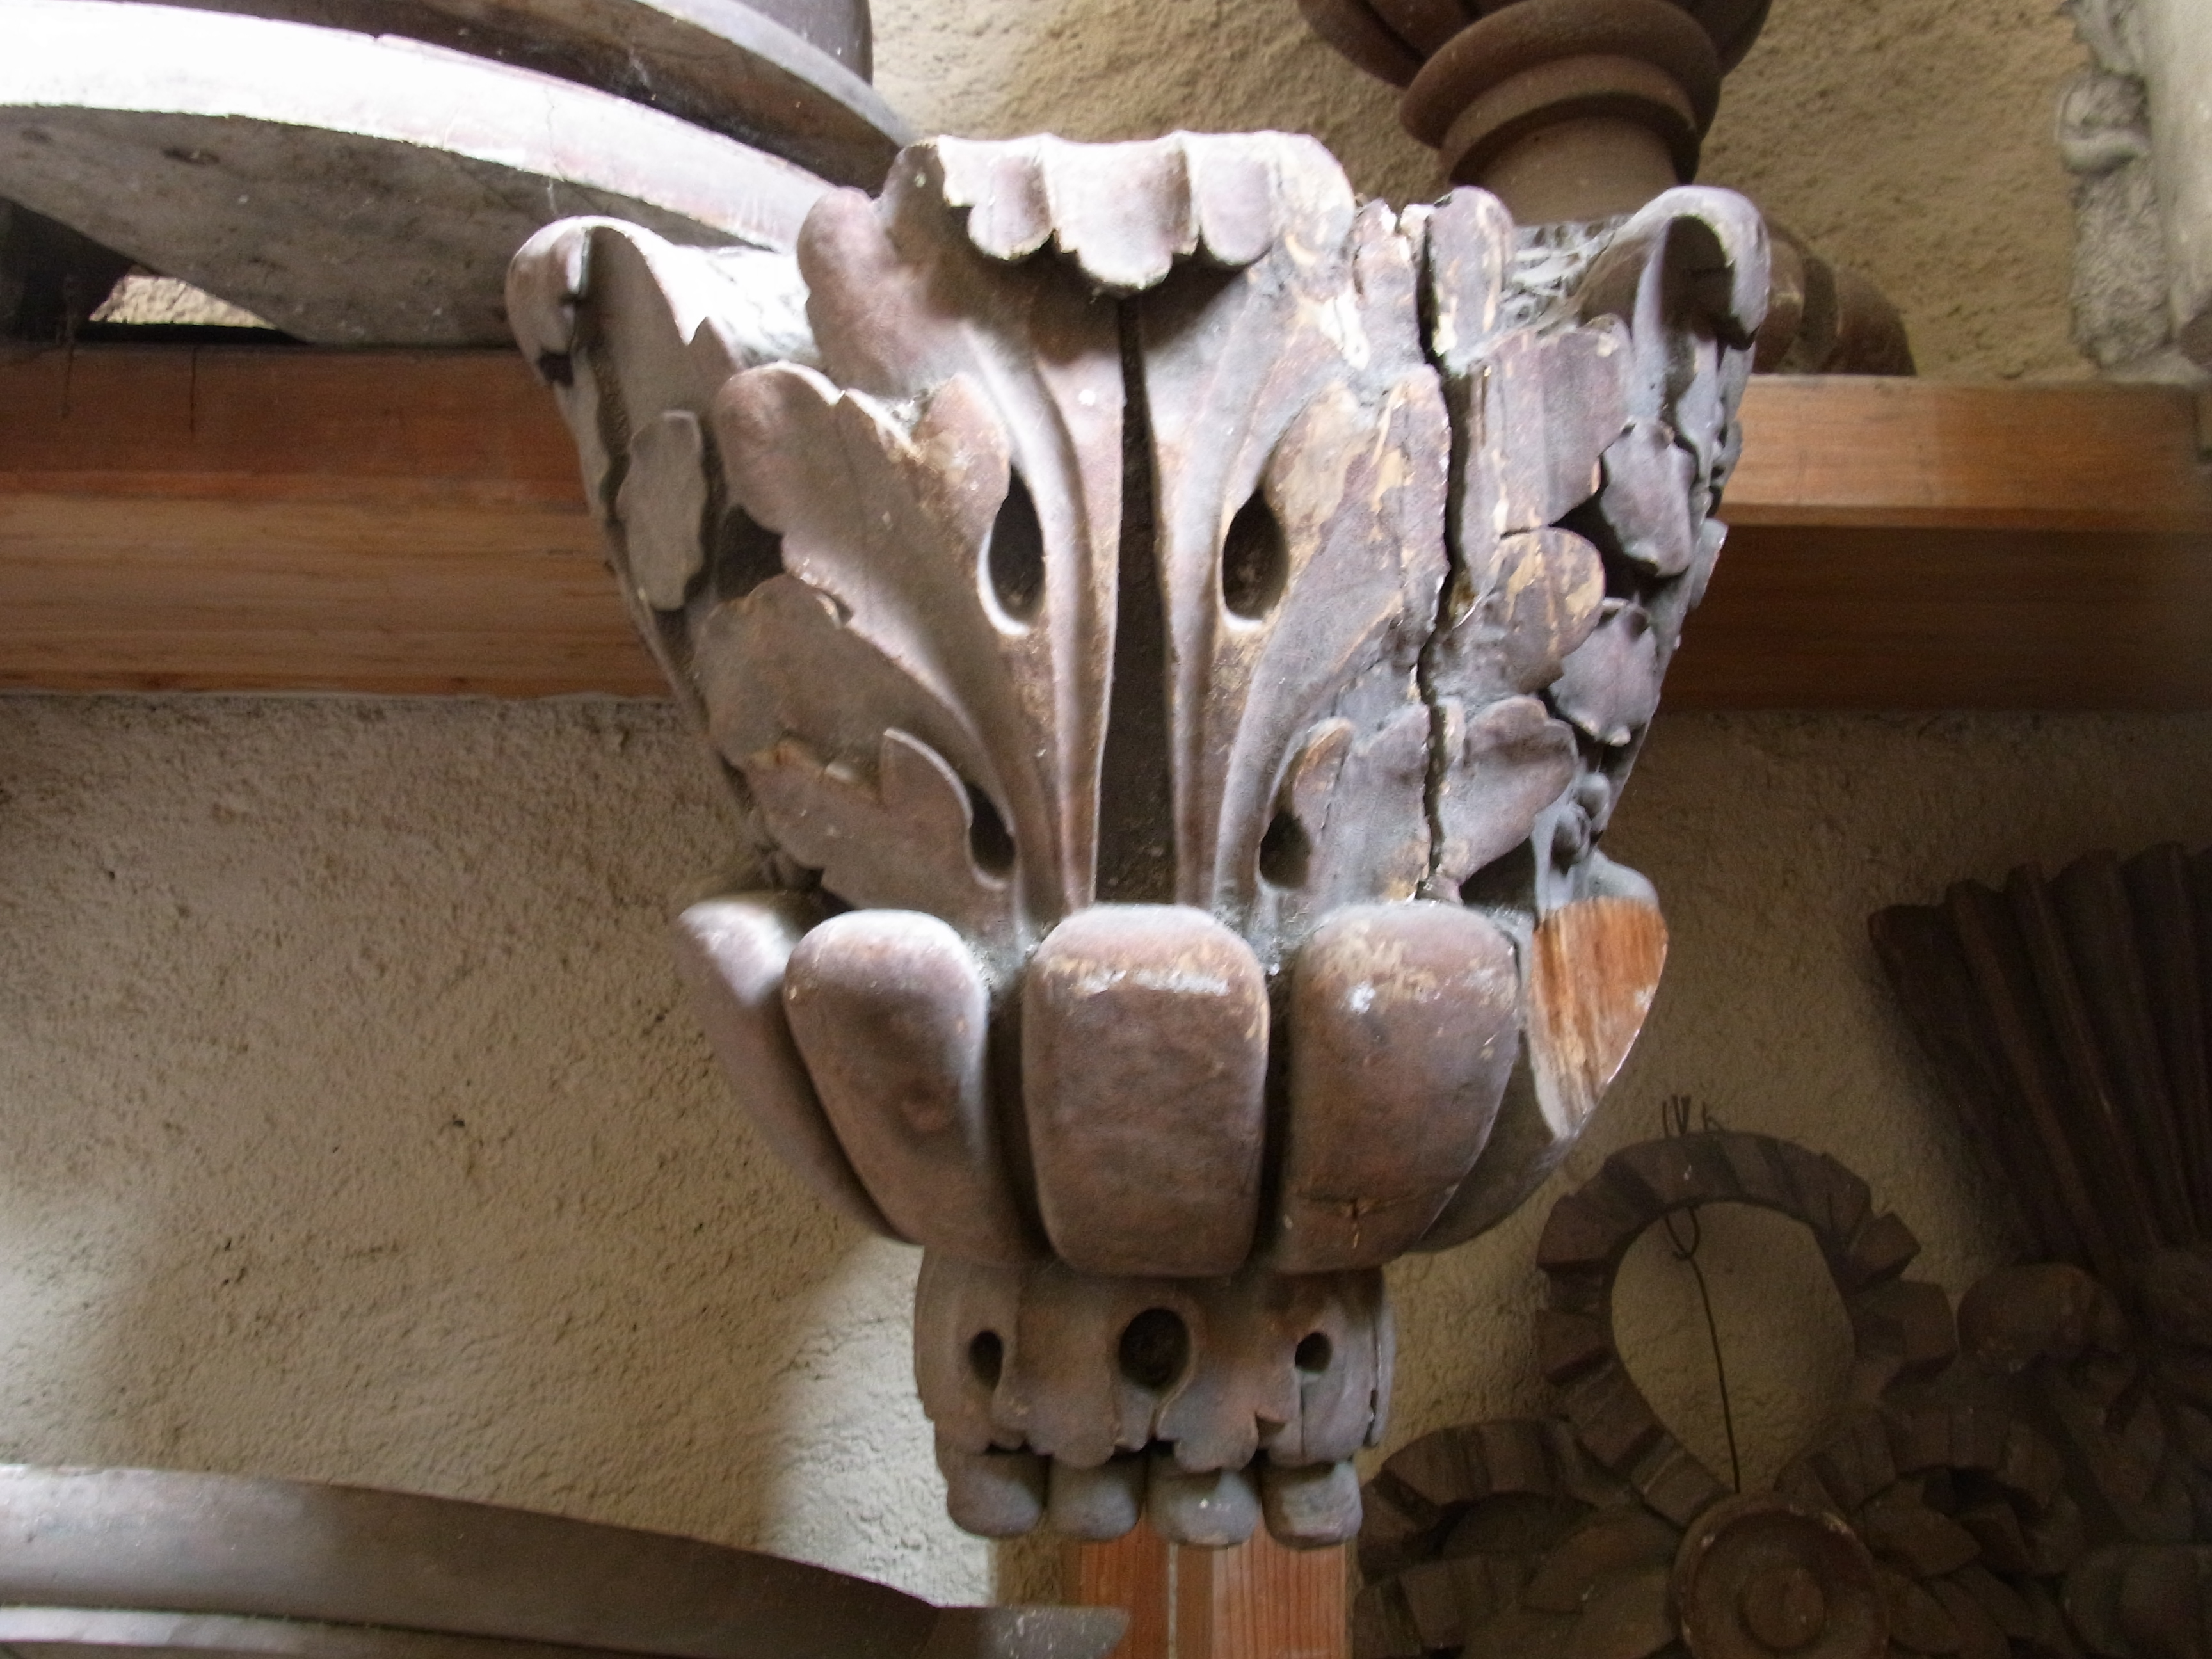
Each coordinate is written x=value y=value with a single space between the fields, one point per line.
x=1759 y=1578
x=1784 y=1607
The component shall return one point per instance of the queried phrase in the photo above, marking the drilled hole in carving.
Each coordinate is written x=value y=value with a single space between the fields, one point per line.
x=746 y=554
x=1285 y=854
x=1255 y=563
x=1015 y=556
x=990 y=843
x=986 y=1357
x=1155 y=1348
x=1314 y=1353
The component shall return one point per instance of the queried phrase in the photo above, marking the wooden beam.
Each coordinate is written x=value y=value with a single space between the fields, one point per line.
x=264 y=519
x=1805 y=617
x=409 y=522
x=1924 y=545
x=245 y=423
x=1857 y=453
x=1134 y=1574
x=1261 y=1601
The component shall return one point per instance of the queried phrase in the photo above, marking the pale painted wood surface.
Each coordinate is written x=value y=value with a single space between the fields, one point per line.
x=789 y=75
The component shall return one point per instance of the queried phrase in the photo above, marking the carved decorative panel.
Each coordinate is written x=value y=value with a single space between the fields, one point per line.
x=1177 y=634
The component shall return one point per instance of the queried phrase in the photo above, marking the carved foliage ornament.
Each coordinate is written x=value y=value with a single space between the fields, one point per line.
x=1178 y=633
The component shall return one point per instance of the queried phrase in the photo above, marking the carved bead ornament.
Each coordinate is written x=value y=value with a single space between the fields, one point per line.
x=1177 y=634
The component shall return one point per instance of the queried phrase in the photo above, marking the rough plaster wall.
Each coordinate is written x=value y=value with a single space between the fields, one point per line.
x=351 y=1126
x=1913 y=139
x=1909 y=137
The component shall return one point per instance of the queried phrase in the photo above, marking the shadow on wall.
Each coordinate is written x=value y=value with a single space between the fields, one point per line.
x=352 y=1127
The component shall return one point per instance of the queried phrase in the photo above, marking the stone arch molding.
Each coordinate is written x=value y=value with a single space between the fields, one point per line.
x=1177 y=634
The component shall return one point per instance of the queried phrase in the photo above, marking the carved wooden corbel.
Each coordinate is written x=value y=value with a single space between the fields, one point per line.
x=1177 y=634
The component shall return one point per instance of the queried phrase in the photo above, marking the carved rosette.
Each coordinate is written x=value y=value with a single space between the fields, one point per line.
x=1931 y=1515
x=1178 y=633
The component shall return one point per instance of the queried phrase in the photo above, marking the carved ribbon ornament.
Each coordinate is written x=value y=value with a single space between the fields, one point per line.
x=1177 y=634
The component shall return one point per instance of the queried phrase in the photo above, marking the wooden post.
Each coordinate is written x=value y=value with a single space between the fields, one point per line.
x=1134 y=1573
x=1258 y=1600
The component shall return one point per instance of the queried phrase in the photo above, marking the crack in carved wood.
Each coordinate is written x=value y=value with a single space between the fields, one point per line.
x=1157 y=522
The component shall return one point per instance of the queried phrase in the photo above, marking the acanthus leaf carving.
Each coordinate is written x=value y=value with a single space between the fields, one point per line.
x=1299 y=440
x=904 y=842
x=892 y=528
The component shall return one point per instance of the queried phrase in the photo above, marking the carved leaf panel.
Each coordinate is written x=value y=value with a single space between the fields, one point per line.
x=635 y=336
x=1300 y=448
x=1008 y=387
x=886 y=523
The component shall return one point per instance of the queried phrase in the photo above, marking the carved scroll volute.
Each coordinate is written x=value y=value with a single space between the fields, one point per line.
x=1180 y=634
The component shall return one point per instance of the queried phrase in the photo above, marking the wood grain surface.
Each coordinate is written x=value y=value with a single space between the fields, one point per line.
x=402 y=522
x=1261 y=1601
x=1257 y=1600
x=1131 y=1573
x=411 y=522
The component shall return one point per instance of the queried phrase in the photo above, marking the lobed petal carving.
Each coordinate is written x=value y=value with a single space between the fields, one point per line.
x=1144 y=1037
x=892 y=1014
x=733 y=953
x=1388 y=1105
